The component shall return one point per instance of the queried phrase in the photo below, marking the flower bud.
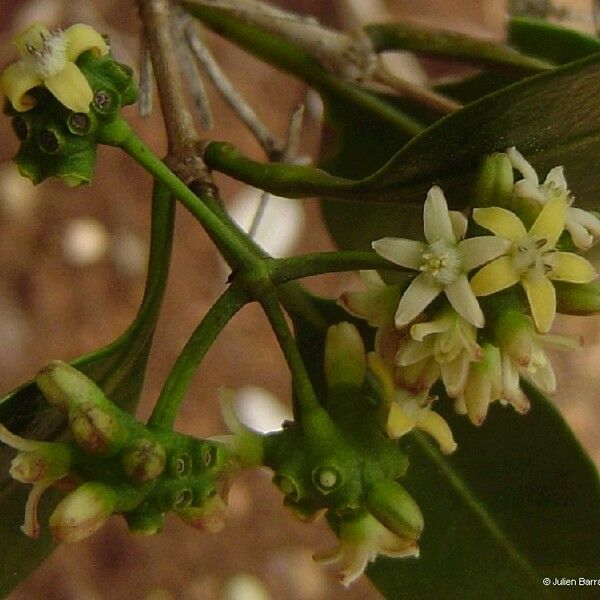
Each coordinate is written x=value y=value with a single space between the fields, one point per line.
x=577 y=298
x=96 y=429
x=395 y=508
x=65 y=387
x=208 y=517
x=83 y=512
x=145 y=523
x=345 y=362
x=144 y=460
x=51 y=461
x=494 y=183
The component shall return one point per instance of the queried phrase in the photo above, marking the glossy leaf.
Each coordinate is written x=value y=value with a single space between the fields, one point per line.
x=518 y=501
x=118 y=368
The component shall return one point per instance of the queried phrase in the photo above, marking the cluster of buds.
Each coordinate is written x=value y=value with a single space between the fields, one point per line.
x=62 y=94
x=477 y=315
x=340 y=463
x=115 y=464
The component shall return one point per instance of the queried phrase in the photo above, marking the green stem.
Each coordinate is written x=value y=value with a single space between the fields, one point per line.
x=449 y=44
x=306 y=405
x=171 y=396
x=230 y=240
x=317 y=263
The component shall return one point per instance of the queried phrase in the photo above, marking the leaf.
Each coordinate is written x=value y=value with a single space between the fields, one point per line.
x=518 y=501
x=453 y=45
x=118 y=368
x=552 y=118
x=549 y=41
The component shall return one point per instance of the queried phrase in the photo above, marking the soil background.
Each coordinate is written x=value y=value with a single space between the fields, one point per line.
x=56 y=304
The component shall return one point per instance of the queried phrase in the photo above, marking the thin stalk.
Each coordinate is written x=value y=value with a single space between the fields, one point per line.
x=186 y=365
x=305 y=402
x=318 y=263
x=231 y=241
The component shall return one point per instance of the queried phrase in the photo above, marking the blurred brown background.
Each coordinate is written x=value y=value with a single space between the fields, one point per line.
x=72 y=268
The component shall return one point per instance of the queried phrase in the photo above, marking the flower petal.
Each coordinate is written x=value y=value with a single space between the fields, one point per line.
x=80 y=37
x=454 y=375
x=32 y=36
x=580 y=235
x=556 y=177
x=518 y=161
x=398 y=422
x=542 y=300
x=550 y=223
x=417 y=298
x=464 y=302
x=527 y=189
x=493 y=277
x=406 y=253
x=71 y=88
x=459 y=224
x=31 y=525
x=500 y=221
x=439 y=430
x=414 y=351
x=567 y=266
x=477 y=251
x=436 y=219
x=18 y=79
x=419 y=331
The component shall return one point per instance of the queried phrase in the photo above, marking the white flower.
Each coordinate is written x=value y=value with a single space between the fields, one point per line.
x=582 y=225
x=362 y=539
x=443 y=261
x=448 y=340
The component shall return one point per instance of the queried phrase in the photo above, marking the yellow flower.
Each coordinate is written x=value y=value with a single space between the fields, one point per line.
x=48 y=59
x=407 y=410
x=532 y=259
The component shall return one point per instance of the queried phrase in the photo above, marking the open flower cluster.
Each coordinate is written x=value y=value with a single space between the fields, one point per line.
x=477 y=314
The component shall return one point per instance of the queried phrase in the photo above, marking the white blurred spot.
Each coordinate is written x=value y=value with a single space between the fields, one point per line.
x=129 y=254
x=281 y=225
x=259 y=409
x=244 y=586
x=18 y=196
x=85 y=242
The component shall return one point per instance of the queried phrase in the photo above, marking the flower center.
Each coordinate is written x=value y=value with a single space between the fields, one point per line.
x=531 y=253
x=48 y=53
x=442 y=261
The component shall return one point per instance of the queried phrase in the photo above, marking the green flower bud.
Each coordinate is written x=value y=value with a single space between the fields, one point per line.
x=494 y=183
x=83 y=512
x=144 y=522
x=96 y=429
x=345 y=362
x=66 y=387
x=144 y=460
x=577 y=298
x=395 y=508
x=208 y=517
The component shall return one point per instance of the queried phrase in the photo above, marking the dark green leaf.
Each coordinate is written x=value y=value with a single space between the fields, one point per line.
x=552 y=118
x=451 y=44
x=517 y=502
x=549 y=41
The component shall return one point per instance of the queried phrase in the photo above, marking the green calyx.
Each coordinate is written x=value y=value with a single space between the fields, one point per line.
x=143 y=472
x=57 y=142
